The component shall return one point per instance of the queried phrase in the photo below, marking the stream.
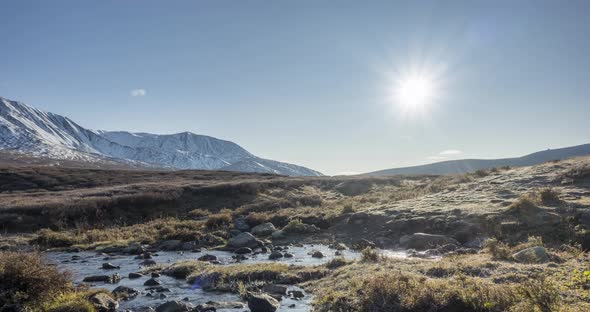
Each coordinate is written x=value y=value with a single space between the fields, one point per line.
x=87 y=263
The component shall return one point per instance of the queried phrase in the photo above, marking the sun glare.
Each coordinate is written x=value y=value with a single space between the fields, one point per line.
x=414 y=91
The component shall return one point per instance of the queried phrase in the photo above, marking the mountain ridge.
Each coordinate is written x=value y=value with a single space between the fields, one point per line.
x=28 y=130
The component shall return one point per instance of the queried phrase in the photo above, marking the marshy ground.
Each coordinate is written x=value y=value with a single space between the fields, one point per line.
x=504 y=239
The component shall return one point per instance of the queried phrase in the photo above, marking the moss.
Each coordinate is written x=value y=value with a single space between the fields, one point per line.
x=69 y=302
x=183 y=269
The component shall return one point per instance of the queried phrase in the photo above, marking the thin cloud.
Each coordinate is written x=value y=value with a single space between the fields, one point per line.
x=445 y=155
x=138 y=92
x=450 y=152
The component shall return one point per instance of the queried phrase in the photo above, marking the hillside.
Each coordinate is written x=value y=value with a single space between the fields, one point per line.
x=468 y=165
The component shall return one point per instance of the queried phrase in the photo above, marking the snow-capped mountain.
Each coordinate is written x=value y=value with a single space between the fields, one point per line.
x=27 y=130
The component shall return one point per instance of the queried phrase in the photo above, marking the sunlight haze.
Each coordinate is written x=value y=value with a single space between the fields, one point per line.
x=341 y=87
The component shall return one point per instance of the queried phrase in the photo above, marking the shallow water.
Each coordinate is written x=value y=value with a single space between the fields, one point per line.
x=90 y=263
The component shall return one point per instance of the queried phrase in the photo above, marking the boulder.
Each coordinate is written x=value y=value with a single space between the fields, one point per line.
x=214 y=305
x=275 y=289
x=288 y=255
x=134 y=275
x=275 y=255
x=536 y=254
x=278 y=234
x=243 y=250
x=125 y=293
x=337 y=246
x=241 y=224
x=297 y=294
x=171 y=244
x=263 y=229
x=152 y=282
x=175 y=306
x=243 y=240
x=317 y=254
x=189 y=246
x=103 y=302
x=423 y=241
x=134 y=249
x=207 y=257
x=358 y=218
x=109 y=266
x=115 y=278
x=262 y=303
x=148 y=262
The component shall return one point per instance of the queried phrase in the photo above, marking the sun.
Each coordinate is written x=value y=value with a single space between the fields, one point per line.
x=414 y=92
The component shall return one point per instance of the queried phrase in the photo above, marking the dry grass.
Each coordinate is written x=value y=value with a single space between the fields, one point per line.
x=461 y=283
x=233 y=277
x=28 y=280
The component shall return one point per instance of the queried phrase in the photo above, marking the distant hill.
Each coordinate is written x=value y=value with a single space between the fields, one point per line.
x=467 y=165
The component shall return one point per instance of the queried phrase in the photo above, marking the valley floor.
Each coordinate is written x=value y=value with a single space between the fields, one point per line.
x=504 y=239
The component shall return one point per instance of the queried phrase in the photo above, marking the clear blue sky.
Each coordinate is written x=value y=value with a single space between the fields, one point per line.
x=308 y=81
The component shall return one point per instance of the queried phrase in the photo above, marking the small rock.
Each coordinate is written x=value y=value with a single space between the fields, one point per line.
x=262 y=303
x=152 y=282
x=155 y=274
x=536 y=254
x=288 y=255
x=115 y=278
x=275 y=255
x=148 y=263
x=172 y=244
x=275 y=289
x=175 y=306
x=103 y=302
x=125 y=293
x=241 y=224
x=207 y=257
x=243 y=240
x=317 y=254
x=109 y=266
x=188 y=246
x=263 y=229
x=358 y=218
x=278 y=234
x=337 y=246
x=243 y=250
x=297 y=294
x=134 y=275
